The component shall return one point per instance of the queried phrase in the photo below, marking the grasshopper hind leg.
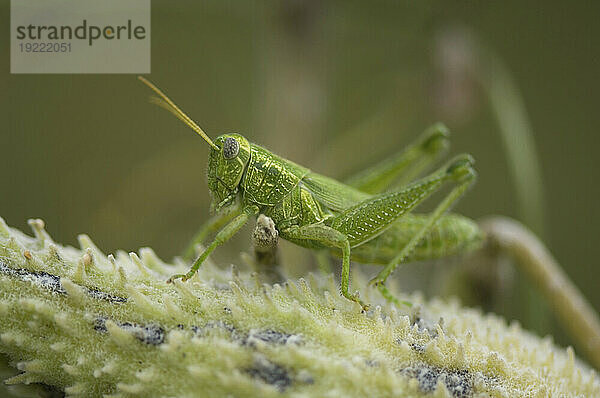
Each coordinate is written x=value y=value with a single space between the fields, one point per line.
x=401 y=168
x=370 y=218
x=464 y=175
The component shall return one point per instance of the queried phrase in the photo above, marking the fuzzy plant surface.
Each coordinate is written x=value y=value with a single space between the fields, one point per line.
x=86 y=324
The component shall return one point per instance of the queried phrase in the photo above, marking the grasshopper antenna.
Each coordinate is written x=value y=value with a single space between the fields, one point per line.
x=165 y=102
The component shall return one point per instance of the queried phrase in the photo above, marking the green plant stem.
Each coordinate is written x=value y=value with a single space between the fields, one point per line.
x=576 y=314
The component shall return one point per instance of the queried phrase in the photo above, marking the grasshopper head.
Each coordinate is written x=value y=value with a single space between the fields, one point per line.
x=226 y=164
x=228 y=158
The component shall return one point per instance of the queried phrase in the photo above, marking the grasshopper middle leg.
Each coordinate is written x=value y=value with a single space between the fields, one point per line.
x=330 y=237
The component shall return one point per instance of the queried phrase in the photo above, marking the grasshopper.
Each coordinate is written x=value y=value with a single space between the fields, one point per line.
x=368 y=219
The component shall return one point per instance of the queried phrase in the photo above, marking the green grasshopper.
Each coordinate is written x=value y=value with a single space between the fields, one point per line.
x=367 y=219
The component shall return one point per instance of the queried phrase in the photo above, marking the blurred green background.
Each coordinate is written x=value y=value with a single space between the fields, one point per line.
x=333 y=86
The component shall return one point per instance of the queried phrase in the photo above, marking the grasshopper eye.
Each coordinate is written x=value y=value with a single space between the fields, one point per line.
x=230 y=148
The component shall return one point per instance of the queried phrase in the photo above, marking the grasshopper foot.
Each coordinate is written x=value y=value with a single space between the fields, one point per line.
x=356 y=298
x=461 y=168
x=387 y=294
x=436 y=139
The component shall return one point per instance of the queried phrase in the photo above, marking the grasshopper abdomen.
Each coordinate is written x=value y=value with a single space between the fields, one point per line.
x=451 y=235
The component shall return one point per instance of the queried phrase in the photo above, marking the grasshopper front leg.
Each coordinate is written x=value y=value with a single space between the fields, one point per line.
x=223 y=236
x=211 y=225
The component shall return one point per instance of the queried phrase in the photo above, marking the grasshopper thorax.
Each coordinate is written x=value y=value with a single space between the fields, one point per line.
x=227 y=162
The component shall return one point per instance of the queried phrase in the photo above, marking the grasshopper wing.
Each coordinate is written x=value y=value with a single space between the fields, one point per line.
x=333 y=194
